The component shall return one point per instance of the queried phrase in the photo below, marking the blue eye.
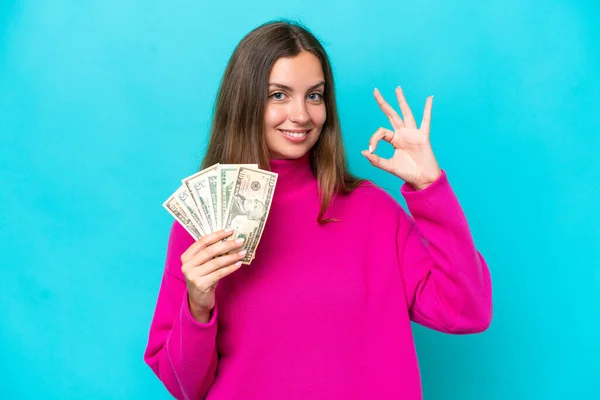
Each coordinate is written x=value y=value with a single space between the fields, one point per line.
x=318 y=97
x=277 y=96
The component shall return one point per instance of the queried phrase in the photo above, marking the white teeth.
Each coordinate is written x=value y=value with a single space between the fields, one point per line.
x=293 y=134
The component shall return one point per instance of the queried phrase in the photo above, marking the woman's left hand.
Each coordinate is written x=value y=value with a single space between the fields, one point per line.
x=413 y=160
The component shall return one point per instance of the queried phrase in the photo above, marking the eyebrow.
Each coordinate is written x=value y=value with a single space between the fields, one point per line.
x=285 y=87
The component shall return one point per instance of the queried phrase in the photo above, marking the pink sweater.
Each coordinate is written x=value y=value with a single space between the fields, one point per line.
x=324 y=312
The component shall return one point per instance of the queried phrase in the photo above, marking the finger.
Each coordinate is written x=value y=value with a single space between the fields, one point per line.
x=381 y=133
x=409 y=119
x=379 y=162
x=203 y=243
x=204 y=283
x=389 y=111
x=216 y=264
x=426 y=122
x=215 y=250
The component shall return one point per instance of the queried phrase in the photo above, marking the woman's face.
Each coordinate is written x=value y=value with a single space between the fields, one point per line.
x=295 y=111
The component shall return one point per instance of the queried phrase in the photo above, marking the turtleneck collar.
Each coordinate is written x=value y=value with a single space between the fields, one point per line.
x=292 y=173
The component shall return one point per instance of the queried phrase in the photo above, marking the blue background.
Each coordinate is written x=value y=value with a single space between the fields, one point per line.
x=105 y=105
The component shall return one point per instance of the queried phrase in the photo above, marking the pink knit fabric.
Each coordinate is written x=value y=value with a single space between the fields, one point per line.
x=324 y=312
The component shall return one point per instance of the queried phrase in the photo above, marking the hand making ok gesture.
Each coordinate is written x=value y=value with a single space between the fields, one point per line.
x=413 y=160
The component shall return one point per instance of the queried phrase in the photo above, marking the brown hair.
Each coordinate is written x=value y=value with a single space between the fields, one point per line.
x=241 y=101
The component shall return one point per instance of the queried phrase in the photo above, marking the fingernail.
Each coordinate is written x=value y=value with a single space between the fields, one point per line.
x=227 y=230
x=242 y=253
x=370 y=149
x=237 y=264
x=239 y=241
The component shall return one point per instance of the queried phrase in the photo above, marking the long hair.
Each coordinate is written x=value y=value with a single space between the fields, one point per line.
x=237 y=132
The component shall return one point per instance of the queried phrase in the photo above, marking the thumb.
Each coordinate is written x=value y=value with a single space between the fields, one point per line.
x=377 y=161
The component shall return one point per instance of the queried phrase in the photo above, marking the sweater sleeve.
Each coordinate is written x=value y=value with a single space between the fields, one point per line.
x=181 y=352
x=447 y=281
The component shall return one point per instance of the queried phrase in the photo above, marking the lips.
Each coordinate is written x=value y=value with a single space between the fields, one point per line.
x=295 y=135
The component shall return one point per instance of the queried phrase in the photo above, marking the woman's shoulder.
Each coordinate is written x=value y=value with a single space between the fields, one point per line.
x=374 y=208
x=376 y=197
x=375 y=191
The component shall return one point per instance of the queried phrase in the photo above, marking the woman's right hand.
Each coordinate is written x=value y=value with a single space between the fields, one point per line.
x=203 y=264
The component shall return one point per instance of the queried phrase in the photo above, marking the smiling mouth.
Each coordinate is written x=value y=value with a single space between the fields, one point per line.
x=295 y=134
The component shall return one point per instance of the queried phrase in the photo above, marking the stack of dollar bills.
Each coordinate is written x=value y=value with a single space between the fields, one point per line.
x=236 y=196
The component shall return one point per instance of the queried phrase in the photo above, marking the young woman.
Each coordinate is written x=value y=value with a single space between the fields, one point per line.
x=324 y=311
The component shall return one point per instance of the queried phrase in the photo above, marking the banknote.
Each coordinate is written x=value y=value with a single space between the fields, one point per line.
x=185 y=200
x=227 y=175
x=175 y=209
x=225 y=195
x=249 y=206
x=203 y=188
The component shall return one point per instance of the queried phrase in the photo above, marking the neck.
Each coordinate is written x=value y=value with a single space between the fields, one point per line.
x=292 y=173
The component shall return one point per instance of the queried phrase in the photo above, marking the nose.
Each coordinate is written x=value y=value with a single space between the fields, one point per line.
x=298 y=112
